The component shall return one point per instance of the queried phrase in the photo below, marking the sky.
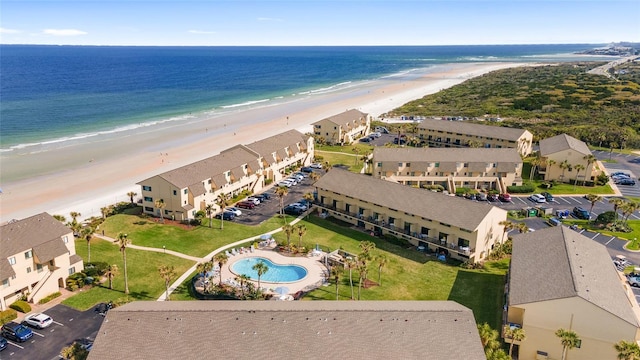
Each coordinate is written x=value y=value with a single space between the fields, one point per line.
x=318 y=22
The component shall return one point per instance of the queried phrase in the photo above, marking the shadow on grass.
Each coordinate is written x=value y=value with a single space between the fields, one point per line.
x=481 y=292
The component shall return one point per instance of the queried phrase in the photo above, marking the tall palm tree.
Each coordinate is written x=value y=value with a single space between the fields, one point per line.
x=382 y=261
x=261 y=268
x=112 y=271
x=628 y=208
x=204 y=268
x=564 y=165
x=578 y=167
x=522 y=228
x=590 y=160
x=569 y=340
x=221 y=258
x=363 y=270
x=222 y=200
x=60 y=218
x=131 y=194
x=335 y=274
x=351 y=264
x=617 y=202
x=87 y=234
x=160 y=205
x=122 y=241
x=507 y=226
x=209 y=209
x=515 y=334
x=356 y=151
x=74 y=216
x=242 y=279
x=366 y=247
x=593 y=199
x=301 y=230
x=627 y=350
x=535 y=164
x=288 y=231
x=105 y=212
x=314 y=176
x=550 y=163
x=281 y=192
x=167 y=273
x=488 y=336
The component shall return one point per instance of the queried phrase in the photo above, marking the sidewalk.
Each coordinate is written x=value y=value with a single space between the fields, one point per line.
x=39 y=308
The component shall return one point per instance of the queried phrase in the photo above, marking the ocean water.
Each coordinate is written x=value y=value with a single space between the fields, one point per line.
x=58 y=94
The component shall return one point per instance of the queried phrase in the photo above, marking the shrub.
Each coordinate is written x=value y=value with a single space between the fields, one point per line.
x=520 y=189
x=99 y=266
x=7 y=315
x=602 y=179
x=396 y=241
x=436 y=187
x=268 y=181
x=195 y=222
x=21 y=306
x=49 y=297
x=606 y=217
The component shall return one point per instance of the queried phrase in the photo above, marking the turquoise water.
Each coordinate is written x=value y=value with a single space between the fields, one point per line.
x=276 y=274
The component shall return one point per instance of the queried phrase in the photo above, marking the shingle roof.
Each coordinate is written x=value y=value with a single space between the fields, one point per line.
x=562 y=142
x=49 y=250
x=29 y=233
x=419 y=202
x=470 y=155
x=462 y=127
x=558 y=263
x=287 y=330
x=344 y=118
x=266 y=147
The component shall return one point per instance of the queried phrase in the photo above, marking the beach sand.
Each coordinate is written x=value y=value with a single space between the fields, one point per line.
x=89 y=175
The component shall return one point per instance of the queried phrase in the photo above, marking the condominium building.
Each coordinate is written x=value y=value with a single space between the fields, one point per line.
x=488 y=169
x=565 y=159
x=562 y=279
x=343 y=128
x=443 y=133
x=37 y=254
x=433 y=222
x=186 y=190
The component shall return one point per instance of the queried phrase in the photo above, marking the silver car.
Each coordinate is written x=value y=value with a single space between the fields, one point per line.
x=38 y=320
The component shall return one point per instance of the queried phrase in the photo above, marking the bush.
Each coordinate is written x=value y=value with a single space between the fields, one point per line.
x=21 y=306
x=268 y=182
x=99 y=266
x=606 y=217
x=195 y=222
x=49 y=297
x=602 y=179
x=396 y=241
x=522 y=189
x=7 y=315
x=438 y=188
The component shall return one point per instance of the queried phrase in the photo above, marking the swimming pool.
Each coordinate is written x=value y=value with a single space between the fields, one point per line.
x=276 y=274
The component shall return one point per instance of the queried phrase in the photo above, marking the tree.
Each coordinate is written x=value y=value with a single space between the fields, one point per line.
x=335 y=274
x=382 y=261
x=221 y=200
x=112 y=271
x=167 y=273
x=314 y=176
x=507 y=226
x=60 y=218
x=160 y=205
x=488 y=336
x=515 y=334
x=351 y=264
x=74 y=216
x=578 y=167
x=310 y=198
x=204 y=268
x=363 y=270
x=366 y=247
x=535 y=164
x=522 y=228
x=74 y=352
x=627 y=350
x=131 y=194
x=281 y=192
x=357 y=152
x=221 y=258
x=617 y=202
x=593 y=199
x=288 y=230
x=590 y=160
x=569 y=340
x=301 y=229
x=564 y=165
x=87 y=234
x=209 y=210
x=105 y=212
x=122 y=241
x=261 y=268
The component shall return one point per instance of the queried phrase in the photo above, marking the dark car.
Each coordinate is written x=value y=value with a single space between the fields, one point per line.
x=307 y=169
x=504 y=197
x=492 y=197
x=293 y=210
x=17 y=332
x=580 y=213
x=547 y=196
x=626 y=182
x=263 y=197
x=227 y=215
x=470 y=196
x=365 y=139
x=246 y=205
x=3 y=343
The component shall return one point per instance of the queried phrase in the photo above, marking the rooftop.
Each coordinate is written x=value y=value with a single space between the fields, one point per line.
x=463 y=127
x=410 y=154
x=562 y=142
x=344 y=118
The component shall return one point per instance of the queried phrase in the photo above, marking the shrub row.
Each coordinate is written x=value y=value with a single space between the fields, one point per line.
x=21 y=306
x=50 y=297
x=520 y=189
x=7 y=315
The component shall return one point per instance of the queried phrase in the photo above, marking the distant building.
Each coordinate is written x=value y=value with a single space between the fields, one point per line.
x=188 y=189
x=489 y=169
x=37 y=254
x=442 y=133
x=559 y=278
x=289 y=329
x=560 y=156
x=343 y=128
x=451 y=226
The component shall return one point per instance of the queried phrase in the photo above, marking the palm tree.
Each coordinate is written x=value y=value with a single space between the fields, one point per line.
x=112 y=271
x=590 y=160
x=522 y=228
x=60 y=218
x=515 y=334
x=569 y=340
x=363 y=270
x=550 y=163
x=507 y=226
x=564 y=165
x=221 y=200
x=357 y=152
x=351 y=264
x=488 y=336
x=221 y=258
x=167 y=273
x=578 y=167
x=535 y=164
x=627 y=350
x=301 y=229
x=105 y=212
x=74 y=216
x=261 y=268
x=242 y=279
x=382 y=261
x=617 y=202
x=593 y=199
x=131 y=194
x=281 y=192
x=160 y=205
x=209 y=210
x=335 y=274
x=204 y=268
x=314 y=176
x=122 y=241
x=310 y=198
x=288 y=230
x=628 y=208
x=87 y=234
x=366 y=247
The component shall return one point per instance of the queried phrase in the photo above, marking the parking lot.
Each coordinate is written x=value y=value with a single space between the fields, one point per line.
x=69 y=325
x=623 y=162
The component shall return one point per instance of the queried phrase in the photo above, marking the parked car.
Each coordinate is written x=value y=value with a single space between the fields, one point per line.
x=234 y=210
x=307 y=169
x=554 y=222
x=292 y=180
x=38 y=320
x=262 y=197
x=626 y=182
x=304 y=207
x=293 y=210
x=470 y=196
x=297 y=176
x=16 y=332
x=504 y=197
x=481 y=197
x=537 y=198
x=246 y=205
x=375 y=134
x=617 y=173
x=226 y=215
x=3 y=343
x=492 y=197
x=253 y=199
x=316 y=166
x=634 y=281
x=365 y=139
x=547 y=196
x=285 y=183
x=581 y=213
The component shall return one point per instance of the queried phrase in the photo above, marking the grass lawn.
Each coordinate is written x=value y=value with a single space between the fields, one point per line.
x=630 y=236
x=568 y=189
x=142 y=268
x=362 y=148
x=348 y=160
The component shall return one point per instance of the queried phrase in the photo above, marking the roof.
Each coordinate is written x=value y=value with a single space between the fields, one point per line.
x=50 y=250
x=289 y=329
x=454 y=211
x=466 y=128
x=470 y=155
x=559 y=263
x=344 y=118
x=268 y=146
x=562 y=142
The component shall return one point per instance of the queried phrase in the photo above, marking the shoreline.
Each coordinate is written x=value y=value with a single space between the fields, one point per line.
x=85 y=177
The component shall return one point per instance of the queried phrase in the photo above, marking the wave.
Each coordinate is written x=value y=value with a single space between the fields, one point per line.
x=325 y=90
x=246 y=103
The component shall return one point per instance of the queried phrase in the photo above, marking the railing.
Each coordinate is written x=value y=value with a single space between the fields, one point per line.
x=41 y=282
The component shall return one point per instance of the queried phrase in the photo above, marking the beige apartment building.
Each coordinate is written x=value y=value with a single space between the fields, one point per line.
x=486 y=169
x=450 y=134
x=186 y=190
x=37 y=254
x=434 y=222
x=343 y=128
x=559 y=278
x=565 y=159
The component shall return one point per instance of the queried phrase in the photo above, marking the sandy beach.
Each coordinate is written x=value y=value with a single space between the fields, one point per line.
x=89 y=175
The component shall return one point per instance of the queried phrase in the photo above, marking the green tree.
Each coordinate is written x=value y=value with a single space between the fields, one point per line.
x=204 y=268
x=578 y=167
x=336 y=273
x=535 y=164
x=160 y=205
x=288 y=231
x=627 y=350
x=617 y=202
x=209 y=209
x=351 y=264
x=105 y=212
x=60 y=218
x=131 y=194
x=74 y=352
x=301 y=230
x=593 y=199
x=281 y=192
x=569 y=340
x=382 y=261
x=363 y=271
x=564 y=165
x=221 y=258
x=261 y=268
x=222 y=200
x=507 y=226
x=488 y=336
x=122 y=241
x=87 y=234
x=167 y=273
x=112 y=271
x=514 y=334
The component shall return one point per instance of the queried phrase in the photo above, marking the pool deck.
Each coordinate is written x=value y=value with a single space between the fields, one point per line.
x=315 y=269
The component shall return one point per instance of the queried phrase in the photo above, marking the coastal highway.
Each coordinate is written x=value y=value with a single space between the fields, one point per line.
x=604 y=69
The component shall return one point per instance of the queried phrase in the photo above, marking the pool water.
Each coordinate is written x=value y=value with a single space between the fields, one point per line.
x=276 y=274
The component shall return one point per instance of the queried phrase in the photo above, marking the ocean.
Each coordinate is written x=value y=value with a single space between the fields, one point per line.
x=52 y=95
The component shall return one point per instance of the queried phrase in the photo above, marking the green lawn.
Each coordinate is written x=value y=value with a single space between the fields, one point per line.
x=362 y=148
x=348 y=160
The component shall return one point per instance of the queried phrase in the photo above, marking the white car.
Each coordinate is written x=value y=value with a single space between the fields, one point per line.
x=38 y=320
x=234 y=210
x=316 y=166
x=375 y=134
x=254 y=200
x=285 y=183
x=538 y=198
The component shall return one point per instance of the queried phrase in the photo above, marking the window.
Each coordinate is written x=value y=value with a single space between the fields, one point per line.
x=72 y=270
x=146 y=188
x=437 y=164
x=5 y=283
x=39 y=268
x=28 y=255
x=28 y=269
x=399 y=164
x=209 y=181
x=148 y=208
x=175 y=192
x=148 y=199
x=185 y=191
x=408 y=164
x=379 y=164
x=65 y=239
x=12 y=260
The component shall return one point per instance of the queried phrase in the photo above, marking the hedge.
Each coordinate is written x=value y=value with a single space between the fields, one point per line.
x=21 y=306
x=520 y=189
x=7 y=315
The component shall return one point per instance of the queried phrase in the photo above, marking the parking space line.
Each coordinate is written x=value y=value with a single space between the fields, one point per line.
x=610 y=240
x=563 y=199
x=14 y=344
x=57 y=323
x=595 y=236
x=37 y=333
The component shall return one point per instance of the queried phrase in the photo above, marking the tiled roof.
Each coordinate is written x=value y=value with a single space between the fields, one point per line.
x=562 y=142
x=26 y=234
x=345 y=118
x=558 y=263
x=466 y=128
x=419 y=202
x=289 y=329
